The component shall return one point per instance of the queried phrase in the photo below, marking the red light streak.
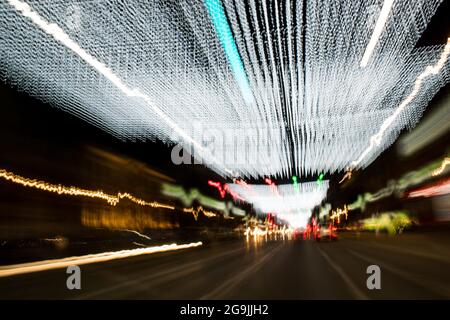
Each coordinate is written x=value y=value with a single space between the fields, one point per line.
x=440 y=188
x=273 y=186
x=223 y=190
x=218 y=185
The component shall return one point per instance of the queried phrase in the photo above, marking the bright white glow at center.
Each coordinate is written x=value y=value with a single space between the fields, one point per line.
x=288 y=202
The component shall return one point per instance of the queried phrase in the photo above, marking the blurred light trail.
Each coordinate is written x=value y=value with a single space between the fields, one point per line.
x=196 y=212
x=223 y=30
x=139 y=244
x=11 y=270
x=223 y=190
x=244 y=184
x=284 y=198
x=125 y=218
x=336 y=214
x=188 y=197
x=441 y=169
x=75 y=191
x=399 y=186
x=348 y=175
x=258 y=231
x=433 y=127
x=381 y=22
x=320 y=178
x=136 y=232
x=311 y=97
x=273 y=186
x=295 y=183
x=292 y=203
x=394 y=222
x=375 y=140
x=295 y=220
x=218 y=186
x=437 y=189
x=59 y=35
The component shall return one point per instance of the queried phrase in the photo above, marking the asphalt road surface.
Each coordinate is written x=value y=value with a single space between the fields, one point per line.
x=412 y=266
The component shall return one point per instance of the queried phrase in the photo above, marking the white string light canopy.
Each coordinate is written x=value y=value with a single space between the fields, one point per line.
x=322 y=86
x=292 y=203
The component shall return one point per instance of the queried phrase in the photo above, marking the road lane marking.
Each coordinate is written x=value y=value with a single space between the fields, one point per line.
x=357 y=293
x=229 y=284
x=162 y=276
x=429 y=285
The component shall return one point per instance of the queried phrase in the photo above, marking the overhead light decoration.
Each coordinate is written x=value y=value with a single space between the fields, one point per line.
x=223 y=190
x=291 y=203
x=381 y=22
x=223 y=30
x=334 y=94
x=295 y=183
x=320 y=178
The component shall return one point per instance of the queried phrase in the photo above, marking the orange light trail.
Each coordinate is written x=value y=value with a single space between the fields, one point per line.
x=79 y=192
x=12 y=270
x=348 y=175
x=336 y=215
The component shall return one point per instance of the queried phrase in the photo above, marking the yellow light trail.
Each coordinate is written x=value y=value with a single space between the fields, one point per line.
x=348 y=175
x=12 y=270
x=79 y=192
x=441 y=169
x=196 y=212
x=336 y=215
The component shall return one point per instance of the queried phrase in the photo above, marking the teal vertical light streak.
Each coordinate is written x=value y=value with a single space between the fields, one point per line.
x=223 y=30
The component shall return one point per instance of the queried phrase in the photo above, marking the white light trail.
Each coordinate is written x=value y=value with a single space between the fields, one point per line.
x=56 y=32
x=276 y=98
x=136 y=233
x=376 y=139
x=16 y=269
x=381 y=22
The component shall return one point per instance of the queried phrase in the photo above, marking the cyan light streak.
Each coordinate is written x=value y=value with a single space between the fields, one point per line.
x=223 y=30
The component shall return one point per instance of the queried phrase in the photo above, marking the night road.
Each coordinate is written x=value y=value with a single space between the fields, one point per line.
x=412 y=266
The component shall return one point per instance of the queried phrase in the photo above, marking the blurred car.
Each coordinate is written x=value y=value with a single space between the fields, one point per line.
x=326 y=231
